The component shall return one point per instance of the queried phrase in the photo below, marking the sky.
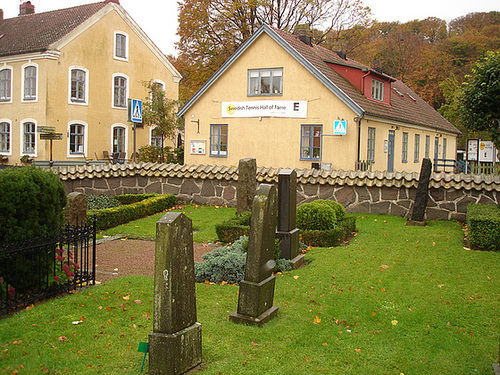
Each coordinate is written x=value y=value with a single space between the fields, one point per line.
x=158 y=18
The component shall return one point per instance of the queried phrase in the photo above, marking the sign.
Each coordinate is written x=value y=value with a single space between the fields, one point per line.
x=51 y=136
x=265 y=108
x=472 y=149
x=486 y=151
x=198 y=147
x=340 y=127
x=46 y=129
x=135 y=110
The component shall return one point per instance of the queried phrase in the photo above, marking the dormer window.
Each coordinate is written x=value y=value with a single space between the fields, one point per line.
x=265 y=82
x=377 y=90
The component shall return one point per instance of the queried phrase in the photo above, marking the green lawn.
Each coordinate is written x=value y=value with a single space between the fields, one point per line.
x=397 y=300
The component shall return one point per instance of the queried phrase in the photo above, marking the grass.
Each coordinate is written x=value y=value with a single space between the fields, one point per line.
x=204 y=219
x=398 y=299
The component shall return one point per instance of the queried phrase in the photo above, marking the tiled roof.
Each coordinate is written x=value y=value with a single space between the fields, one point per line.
x=36 y=32
x=403 y=109
x=270 y=175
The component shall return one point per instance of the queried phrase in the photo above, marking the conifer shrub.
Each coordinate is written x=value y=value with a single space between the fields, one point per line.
x=101 y=201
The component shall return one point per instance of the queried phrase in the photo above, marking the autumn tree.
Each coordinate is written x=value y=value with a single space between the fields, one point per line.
x=480 y=107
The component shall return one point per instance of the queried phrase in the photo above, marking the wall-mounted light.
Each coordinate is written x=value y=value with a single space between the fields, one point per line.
x=197 y=122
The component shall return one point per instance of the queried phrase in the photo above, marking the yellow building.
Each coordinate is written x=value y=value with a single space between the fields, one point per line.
x=292 y=104
x=73 y=70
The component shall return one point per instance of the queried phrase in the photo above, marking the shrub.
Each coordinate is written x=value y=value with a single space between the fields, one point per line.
x=315 y=216
x=336 y=206
x=31 y=203
x=330 y=237
x=100 y=201
x=111 y=217
x=483 y=225
x=133 y=198
x=232 y=229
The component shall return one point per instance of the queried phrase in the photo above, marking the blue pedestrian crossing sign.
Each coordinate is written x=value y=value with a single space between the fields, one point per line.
x=135 y=110
x=340 y=127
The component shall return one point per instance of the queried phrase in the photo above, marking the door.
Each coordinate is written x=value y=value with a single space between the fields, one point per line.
x=390 y=152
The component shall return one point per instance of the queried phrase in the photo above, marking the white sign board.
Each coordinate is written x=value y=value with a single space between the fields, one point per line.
x=486 y=151
x=472 y=148
x=198 y=147
x=265 y=108
x=340 y=127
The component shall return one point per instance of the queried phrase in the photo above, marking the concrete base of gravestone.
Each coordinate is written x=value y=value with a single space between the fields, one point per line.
x=289 y=247
x=416 y=223
x=176 y=353
x=254 y=301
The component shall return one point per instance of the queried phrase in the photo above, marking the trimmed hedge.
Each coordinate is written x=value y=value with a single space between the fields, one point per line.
x=111 y=217
x=133 y=198
x=234 y=228
x=483 y=226
x=330 y=237
x=101 y=201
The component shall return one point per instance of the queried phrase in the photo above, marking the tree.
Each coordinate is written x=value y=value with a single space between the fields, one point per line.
x=161 y=112
x=480 y=107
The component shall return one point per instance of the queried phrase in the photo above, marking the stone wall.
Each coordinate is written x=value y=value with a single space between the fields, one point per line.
x=359 y=192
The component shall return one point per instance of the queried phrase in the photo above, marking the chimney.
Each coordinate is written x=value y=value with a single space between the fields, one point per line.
x=112 y=1
x=342 y=55
x=1 y=15
x=304 y=33
x=26 y=8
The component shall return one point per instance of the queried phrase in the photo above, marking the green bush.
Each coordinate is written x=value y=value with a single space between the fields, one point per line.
x=315 y=216
x=227 y=263
x=336 y=206
x=31 y=203
x=483 y=226
x=133 y=198
x=111 y=217
x=330 y=237
x=101 y=201
x=232 y=229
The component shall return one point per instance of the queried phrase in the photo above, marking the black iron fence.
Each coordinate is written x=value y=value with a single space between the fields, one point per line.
x=38 y=268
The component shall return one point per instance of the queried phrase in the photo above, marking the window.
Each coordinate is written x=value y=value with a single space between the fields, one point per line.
x=416 y=156
x=76 y=139
x=427 y=146
x=156 y=140
x=119 y=139
x=5 y=85
x=29 y=83
x=78 y=90
x=444 y=148
x=371 y=145
x=377 y=90
x=405 y=148
x=120 y=92
x=218 y=140
x=29 y=138
x=121 y=45
x=265 y=82
x=310 y=143
x=4 y=137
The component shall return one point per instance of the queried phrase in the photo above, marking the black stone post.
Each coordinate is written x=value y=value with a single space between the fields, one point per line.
x=420 y=204
x=247 y=184
x=175 y=344
x=287 y=232
x=255 y=301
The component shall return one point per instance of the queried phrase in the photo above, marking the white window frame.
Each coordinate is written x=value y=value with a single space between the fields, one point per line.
x=118 y=125
x=416 y=151
x=258 y=74
x=370 y=149
x=404 y=154
x=445 y=141
x=85 y=140
x=115 y=56
x=86 y=86
x=113 y=90
x=22 y=152
x=377 y=90
x=216 y=140
x=9 y=99
x=151 y=129
x=9 y=151
x=30 y=99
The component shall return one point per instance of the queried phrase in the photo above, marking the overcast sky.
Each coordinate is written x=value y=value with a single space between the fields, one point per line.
x=158 y=18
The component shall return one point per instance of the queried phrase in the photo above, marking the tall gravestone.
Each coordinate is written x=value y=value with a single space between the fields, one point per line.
x=175 y=344
x=255 y=302
x=247 y=184
x=422 y=195
x=496 y=366
x=287 y=232
x=76 y=209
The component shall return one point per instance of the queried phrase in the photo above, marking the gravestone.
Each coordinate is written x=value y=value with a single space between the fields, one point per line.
x=496 y=366
x=175 y=344
x=76 y=209
x=420 y=204
x=287 y=232
x=247 y=184
x=255 y=301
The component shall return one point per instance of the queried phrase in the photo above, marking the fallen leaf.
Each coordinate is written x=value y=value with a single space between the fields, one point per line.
x=127 y=297
x=325 y=344
x=357 y=350
x=62 y=338
x=384 y=266
x=296 y=277
x=254 y=343
x=317 y=320
x=138 y=301
x=394 y=322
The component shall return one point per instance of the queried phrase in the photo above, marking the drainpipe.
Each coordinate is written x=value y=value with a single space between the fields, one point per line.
x=358 y=120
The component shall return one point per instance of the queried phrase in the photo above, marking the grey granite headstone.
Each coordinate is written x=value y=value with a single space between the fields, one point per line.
x=255 y=301
x=496 y=366
x=175 y=344
x=76 y=209
x=420 y=204
x=247 y=184
x=287 y=232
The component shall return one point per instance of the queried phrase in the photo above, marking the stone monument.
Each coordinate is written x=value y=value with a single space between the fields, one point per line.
x=255 y=301
x=75 y=211
x=175 y=344
x=420 y=204
x=247 y=184
x=496 y=366
x=287 y=232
